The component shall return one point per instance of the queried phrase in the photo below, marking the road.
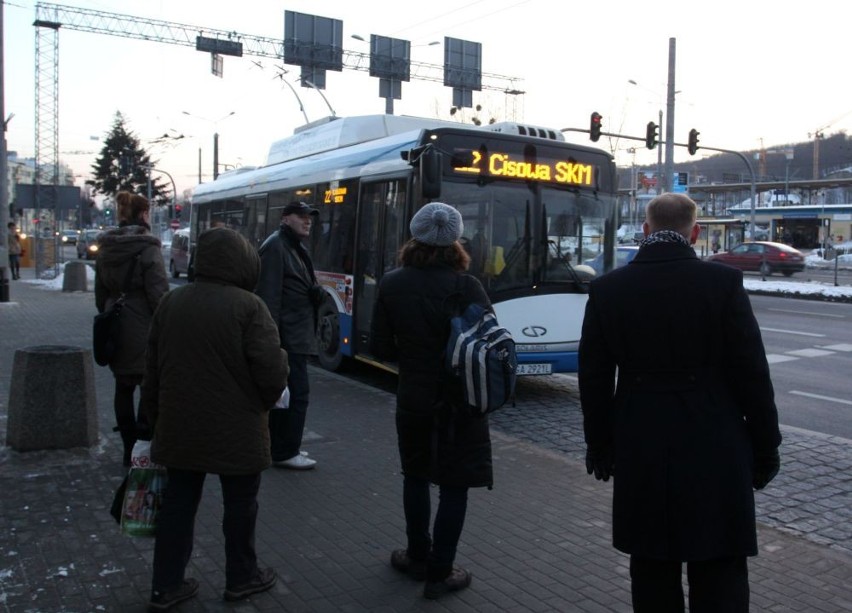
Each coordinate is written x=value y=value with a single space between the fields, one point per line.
x=809 y=347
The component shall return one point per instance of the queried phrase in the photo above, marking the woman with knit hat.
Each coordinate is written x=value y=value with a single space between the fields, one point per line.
x=438 y=441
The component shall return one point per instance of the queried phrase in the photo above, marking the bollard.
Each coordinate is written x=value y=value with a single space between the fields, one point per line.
x=52 y=401
x=75 y=279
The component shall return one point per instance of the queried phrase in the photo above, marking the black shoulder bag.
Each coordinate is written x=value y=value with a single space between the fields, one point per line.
x=106 y=331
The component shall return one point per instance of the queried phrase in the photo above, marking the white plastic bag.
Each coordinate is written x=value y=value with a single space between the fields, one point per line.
x=284 y=401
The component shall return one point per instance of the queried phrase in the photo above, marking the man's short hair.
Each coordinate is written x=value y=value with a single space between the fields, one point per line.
x=671 y=211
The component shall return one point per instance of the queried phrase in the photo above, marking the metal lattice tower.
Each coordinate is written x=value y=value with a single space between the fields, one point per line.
x=47 y=130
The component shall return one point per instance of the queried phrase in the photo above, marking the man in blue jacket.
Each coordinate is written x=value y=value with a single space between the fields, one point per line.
x=679 y=409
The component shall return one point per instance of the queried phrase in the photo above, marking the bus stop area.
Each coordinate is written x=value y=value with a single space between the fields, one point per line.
x=539 y=541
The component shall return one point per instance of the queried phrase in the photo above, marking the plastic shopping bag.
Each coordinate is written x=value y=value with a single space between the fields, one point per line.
x=284 y=401
x=143 y=496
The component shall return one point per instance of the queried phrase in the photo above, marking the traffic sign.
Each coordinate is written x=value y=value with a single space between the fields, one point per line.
x=175 y=224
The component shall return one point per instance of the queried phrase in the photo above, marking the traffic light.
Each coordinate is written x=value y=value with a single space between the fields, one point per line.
x=692 y=146
x=178 y=208
x=595 y=127
x=651 y=135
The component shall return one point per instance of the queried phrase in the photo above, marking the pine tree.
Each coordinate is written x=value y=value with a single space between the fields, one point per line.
x=122 y=165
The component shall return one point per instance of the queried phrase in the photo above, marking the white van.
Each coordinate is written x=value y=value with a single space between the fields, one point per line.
x=179 y=253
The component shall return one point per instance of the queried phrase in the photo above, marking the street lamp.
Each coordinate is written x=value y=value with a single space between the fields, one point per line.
x=660 y=182
x=663 y=140
x=215 y=123
x=788 y=153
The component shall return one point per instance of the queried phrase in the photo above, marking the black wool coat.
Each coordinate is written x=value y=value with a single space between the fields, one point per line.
x=118 y=249
x=692 y=406
x=411 y=326
x=286 y=279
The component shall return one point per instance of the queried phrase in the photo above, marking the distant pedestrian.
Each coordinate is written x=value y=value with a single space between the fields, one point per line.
x=289 y=288
x=15 y=250
x=130 y=246
x=214 y=369
x=679 y=409
x=439 y=441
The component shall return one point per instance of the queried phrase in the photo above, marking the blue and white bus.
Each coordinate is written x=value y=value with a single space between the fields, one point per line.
x=534 y=208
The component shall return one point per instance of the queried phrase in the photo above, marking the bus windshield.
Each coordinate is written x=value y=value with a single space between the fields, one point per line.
x=521 y=235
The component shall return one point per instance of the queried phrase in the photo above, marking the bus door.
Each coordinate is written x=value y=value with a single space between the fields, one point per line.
x=254 y=220
x=381 y=230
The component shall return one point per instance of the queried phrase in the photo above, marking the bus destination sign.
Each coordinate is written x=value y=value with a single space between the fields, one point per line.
x=505 y=165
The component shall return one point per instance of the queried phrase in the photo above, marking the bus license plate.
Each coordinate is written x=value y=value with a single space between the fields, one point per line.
x=533 y=369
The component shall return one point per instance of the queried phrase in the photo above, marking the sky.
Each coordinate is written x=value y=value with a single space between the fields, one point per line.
x=748 y=74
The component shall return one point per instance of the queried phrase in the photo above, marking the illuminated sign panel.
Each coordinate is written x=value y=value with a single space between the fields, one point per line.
x=508 y=165
x=335 y=195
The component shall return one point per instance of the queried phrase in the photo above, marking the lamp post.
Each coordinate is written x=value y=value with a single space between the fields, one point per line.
x=215 y=123
x=150 y=168
x=788 y=153
x=660 y=182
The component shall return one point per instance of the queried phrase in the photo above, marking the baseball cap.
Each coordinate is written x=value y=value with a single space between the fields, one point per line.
x=300 y=208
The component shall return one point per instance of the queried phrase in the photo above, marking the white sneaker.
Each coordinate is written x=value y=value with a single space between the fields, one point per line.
x=297 y=462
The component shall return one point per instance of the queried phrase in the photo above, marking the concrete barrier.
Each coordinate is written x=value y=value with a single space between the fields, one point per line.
x=75 y=278
x=52 y=402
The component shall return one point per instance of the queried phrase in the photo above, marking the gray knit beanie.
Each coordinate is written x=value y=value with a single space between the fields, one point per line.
x=437 y=224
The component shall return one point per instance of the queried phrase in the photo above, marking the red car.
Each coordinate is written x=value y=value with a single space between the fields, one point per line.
x=763 y=256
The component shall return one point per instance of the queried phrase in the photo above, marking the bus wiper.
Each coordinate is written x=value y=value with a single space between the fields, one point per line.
x=571 y=270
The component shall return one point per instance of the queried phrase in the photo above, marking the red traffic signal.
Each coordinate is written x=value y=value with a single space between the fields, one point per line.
x=595 y=127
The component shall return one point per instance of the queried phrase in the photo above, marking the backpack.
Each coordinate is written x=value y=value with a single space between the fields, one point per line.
x=481 y=355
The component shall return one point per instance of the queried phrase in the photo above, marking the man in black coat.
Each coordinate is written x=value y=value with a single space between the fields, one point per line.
x=289 y=288
x=679 y=409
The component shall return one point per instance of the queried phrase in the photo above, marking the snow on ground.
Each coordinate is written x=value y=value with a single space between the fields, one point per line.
x=751 y=283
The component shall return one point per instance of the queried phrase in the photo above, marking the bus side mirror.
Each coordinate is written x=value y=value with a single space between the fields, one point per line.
x=430 y=173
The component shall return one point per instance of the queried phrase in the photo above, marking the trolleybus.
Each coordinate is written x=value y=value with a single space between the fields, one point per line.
x=534 y=209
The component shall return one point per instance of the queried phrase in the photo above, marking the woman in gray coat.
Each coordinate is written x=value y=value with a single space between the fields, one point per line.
x=214 y=369
x=131 y=250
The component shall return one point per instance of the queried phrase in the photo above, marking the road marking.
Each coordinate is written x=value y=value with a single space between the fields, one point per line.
x=807 y=313
x=792 y=332
x=809 y=353
x=818 y=397
x=840 y=347
x=775 y=358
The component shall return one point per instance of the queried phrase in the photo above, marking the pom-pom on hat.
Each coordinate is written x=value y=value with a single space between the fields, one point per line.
x=437 y=224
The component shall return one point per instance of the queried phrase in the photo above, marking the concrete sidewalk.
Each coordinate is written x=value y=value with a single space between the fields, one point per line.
x=540 y=541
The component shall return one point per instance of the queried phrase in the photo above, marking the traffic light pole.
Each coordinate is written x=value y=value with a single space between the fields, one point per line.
x=718 y=149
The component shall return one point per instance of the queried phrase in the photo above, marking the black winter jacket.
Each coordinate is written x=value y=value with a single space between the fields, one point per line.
x=214 y=367
x=693 y=404
x=411 y=326
x=117 y=251
x=286 y=284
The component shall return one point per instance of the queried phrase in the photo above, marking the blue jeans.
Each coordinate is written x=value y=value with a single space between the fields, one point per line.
x=286 y=426
x=15 y=265
x=176 y=527
x=439 y=551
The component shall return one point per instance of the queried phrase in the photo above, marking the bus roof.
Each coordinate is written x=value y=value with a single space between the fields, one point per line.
x=339 y=132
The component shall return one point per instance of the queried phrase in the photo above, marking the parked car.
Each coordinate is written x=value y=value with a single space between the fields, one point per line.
x=87 y=244
x=623 y=255
x=763 y=256
x=178 y=261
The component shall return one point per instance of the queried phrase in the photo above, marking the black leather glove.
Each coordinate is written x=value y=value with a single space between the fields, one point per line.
x=144 y=432
x=600 y=462
x=765 y=468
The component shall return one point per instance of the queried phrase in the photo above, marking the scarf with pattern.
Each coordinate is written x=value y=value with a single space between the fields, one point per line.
x=664 y=236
